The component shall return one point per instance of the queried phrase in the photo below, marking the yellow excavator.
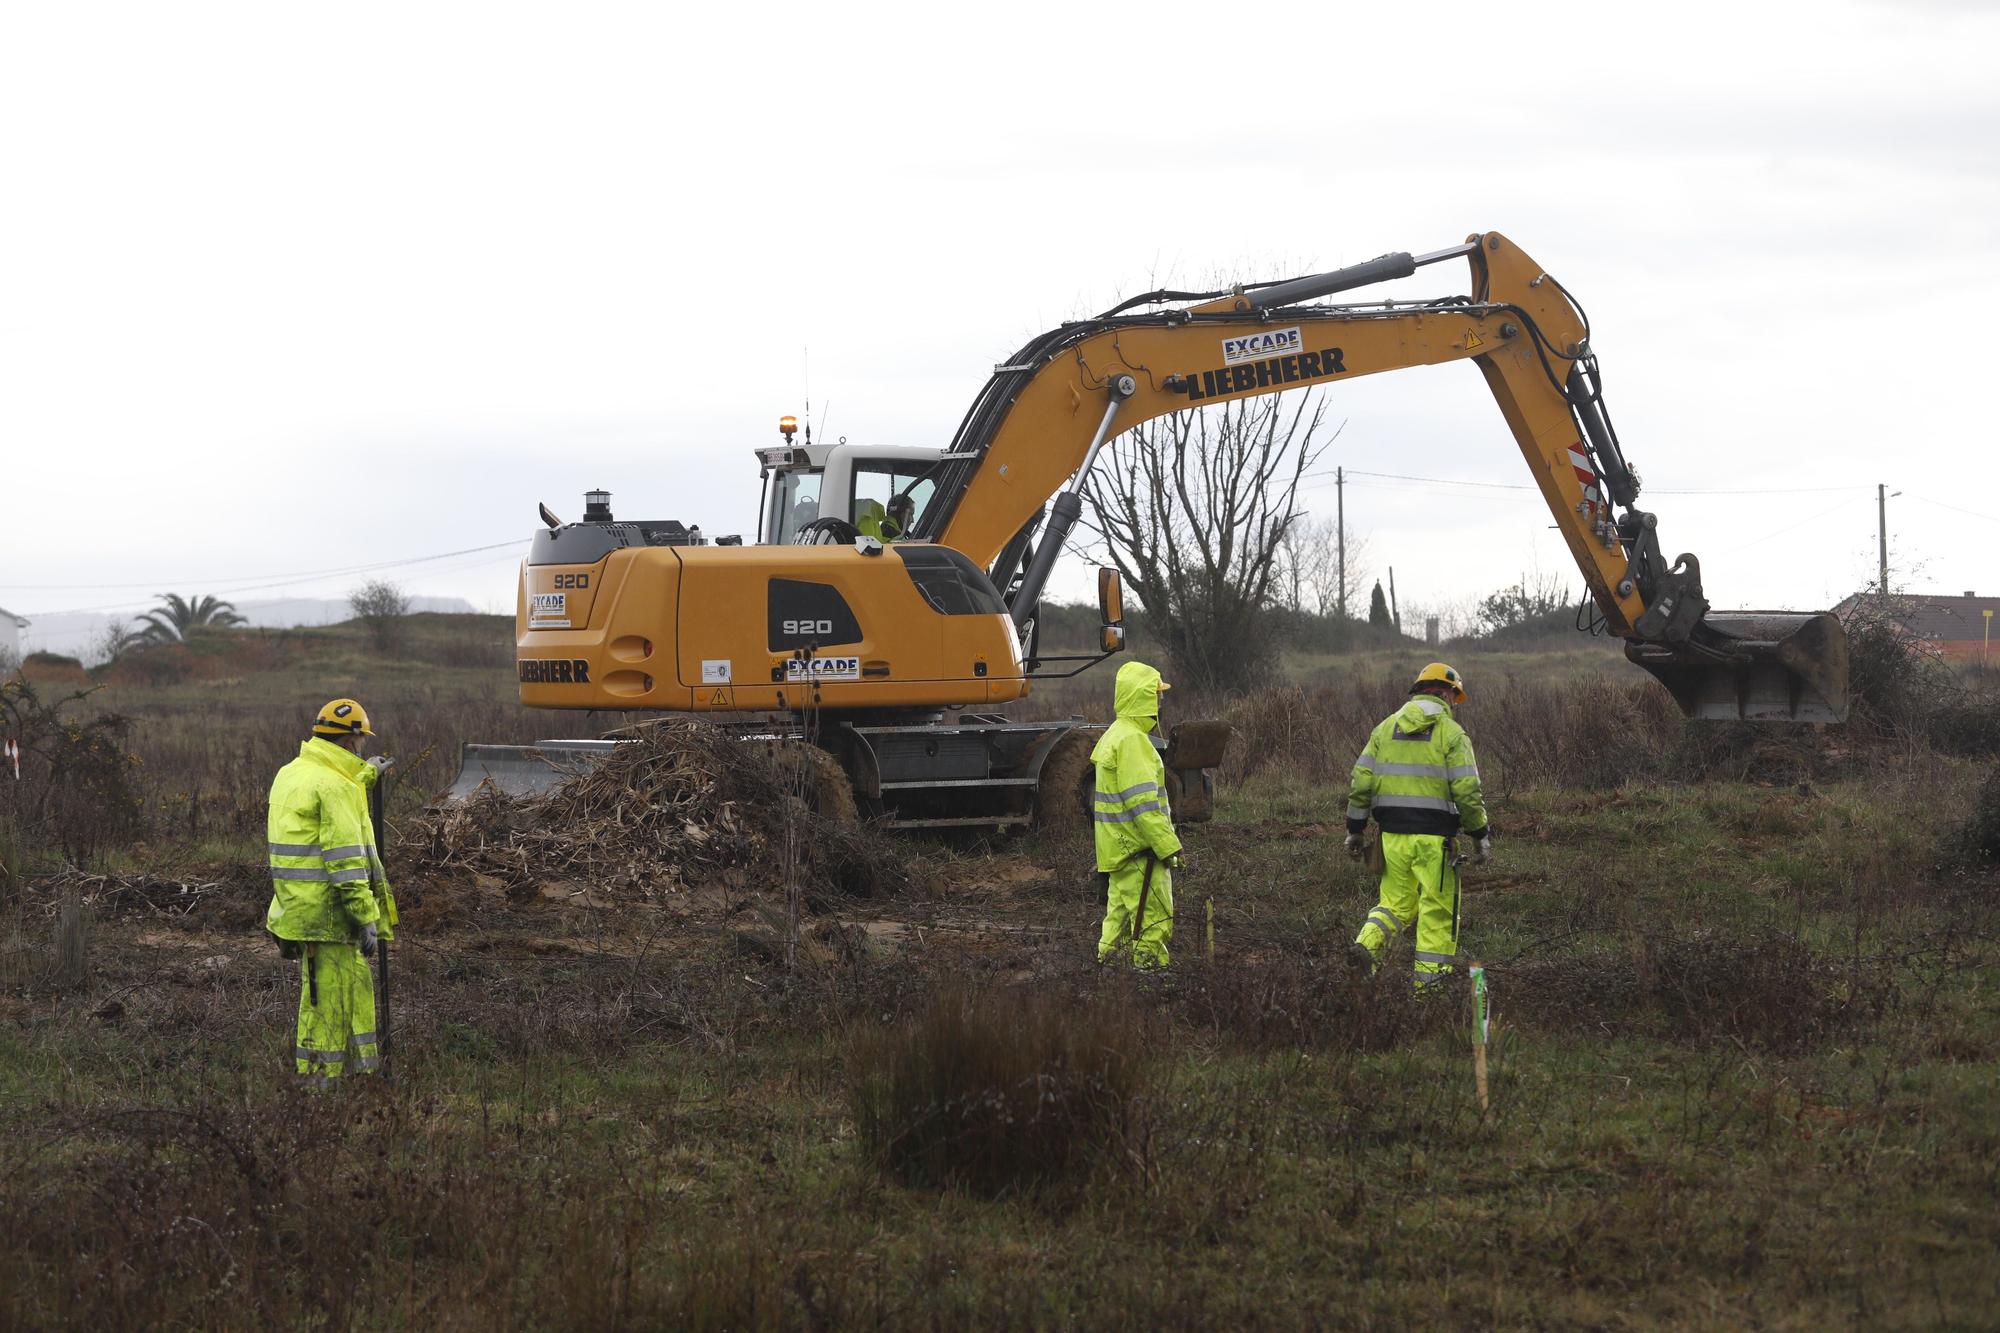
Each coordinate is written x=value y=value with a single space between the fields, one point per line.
x=887 y=609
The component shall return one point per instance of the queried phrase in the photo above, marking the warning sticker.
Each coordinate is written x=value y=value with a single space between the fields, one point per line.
x=720 y=699
x=715 y=671
x=1473 y=340
x=823 y=668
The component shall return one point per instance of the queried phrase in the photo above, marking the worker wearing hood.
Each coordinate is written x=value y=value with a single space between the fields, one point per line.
x=1137 y=848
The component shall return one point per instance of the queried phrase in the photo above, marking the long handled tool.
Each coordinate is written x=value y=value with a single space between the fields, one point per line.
x=383 y=1028
x=1139 y=916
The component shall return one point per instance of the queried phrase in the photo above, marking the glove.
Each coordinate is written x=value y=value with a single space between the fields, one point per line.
x=379 y=762
x=1482 y=849
x=1354 y=849
x=1176 y=861
x=367 y=941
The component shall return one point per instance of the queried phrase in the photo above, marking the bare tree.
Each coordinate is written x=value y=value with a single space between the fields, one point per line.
x=1535 y=597
x=1309 y=567
x=381 y=606
x=1193 y=509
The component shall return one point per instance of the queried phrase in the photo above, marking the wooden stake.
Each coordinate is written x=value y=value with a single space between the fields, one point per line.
x=1211 y=930
x=1479 y=1024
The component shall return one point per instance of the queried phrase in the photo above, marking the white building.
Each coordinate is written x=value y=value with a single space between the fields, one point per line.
x=11 y=626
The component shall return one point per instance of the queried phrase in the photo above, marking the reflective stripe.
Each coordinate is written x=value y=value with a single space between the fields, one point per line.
x=1129 y=792
x=298 y=872
x=347 y=876
x=1395 y=922
x=1412 y=770
x=1366 y=761
x=1127 y=816
x=1357 y=812
x=364 y=1063
x=1462 y=771
x=322 y=1057
x=295 y=849
x=1416 y=803
x=1400 y=735
x=362 y=1039
x=337 y=853
x=1426 y=978
x=1446 y=958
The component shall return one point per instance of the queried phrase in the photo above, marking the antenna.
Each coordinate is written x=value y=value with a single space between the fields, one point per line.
x=805 y=374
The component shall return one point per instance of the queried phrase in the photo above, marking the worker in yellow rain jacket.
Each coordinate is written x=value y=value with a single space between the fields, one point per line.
x=1136 y=844
x=884 y=523
x=330 y=896
x=1418 y=779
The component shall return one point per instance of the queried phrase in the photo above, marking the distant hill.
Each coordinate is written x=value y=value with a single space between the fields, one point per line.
x=78 y=635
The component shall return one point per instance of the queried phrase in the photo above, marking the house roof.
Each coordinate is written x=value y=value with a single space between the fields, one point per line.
x=18 y=620
x=1939 y=619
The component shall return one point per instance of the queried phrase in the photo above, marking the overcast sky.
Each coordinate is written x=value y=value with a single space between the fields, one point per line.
x=297 y=288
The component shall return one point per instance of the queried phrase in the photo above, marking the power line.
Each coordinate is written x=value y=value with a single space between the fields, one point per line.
x=279 y=582
x=1824 y=513
x=297 y=574
x=1523 y=486
x=1974 y=513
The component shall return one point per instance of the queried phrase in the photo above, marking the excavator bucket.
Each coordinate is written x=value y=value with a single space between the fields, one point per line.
x=522 y=770
x=1755 y=666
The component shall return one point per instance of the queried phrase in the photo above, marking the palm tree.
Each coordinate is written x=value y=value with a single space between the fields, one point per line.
x=176 y=617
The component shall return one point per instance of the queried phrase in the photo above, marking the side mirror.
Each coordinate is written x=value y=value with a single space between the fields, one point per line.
x=1111 y=638
x=1110 y=600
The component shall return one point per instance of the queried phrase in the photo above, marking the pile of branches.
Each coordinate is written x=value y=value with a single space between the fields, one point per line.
x=682 y=806
x=172 y=895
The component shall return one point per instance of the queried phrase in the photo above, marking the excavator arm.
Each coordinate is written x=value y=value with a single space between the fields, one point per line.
x=1043 y=416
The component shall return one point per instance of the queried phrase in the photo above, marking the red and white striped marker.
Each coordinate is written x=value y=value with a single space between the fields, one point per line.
x=1586 y=475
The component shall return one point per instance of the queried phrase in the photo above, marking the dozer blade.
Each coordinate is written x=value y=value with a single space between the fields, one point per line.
x=1755 y=666
x=522 y=770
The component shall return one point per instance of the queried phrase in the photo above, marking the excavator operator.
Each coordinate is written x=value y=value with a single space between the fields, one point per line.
x=872 y=519
x=1418 y=778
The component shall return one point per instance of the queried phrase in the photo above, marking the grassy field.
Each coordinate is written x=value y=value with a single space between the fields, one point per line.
x=1745 y=1071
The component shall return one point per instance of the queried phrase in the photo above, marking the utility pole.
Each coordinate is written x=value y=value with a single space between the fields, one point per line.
x=1395 y=614
x=1340 y=532
x=1882 y=536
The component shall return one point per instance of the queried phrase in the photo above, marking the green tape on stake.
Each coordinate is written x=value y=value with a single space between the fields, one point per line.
x=1479 y=1006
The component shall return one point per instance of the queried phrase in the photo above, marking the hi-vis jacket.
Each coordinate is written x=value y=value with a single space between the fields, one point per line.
x=1417 y=775
x=1131 y=801
x=327 y=879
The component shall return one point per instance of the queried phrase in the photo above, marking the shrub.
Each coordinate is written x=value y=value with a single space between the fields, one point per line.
x=995 y=1092
x=1767 y=988
x=78 y=786
x=1978 y=838
x=381 y=607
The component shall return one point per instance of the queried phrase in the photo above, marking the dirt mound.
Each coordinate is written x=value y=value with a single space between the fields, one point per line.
x=680 y=808
x=53 y=669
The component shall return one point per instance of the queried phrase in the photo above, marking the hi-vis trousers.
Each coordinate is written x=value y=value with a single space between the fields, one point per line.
x=336 y=1013
x=1419 y=887
x=1146 y=945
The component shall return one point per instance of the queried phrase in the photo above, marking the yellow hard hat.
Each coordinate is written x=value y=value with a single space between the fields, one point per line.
x=1443 y=674
x=342 y=717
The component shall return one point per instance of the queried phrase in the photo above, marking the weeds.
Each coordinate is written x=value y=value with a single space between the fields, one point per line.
x=1766 y=988
x=999 y=1092
x=1976 y=841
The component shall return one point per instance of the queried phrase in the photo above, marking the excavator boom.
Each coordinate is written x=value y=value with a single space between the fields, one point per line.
x=1037 y=424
